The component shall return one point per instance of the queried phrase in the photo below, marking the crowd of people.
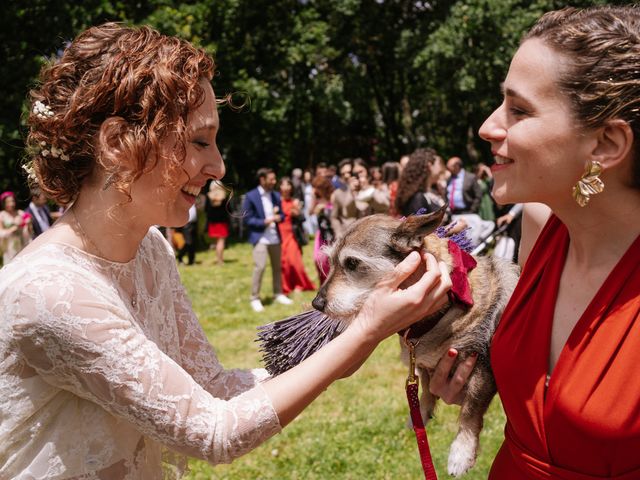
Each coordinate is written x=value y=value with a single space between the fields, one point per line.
x=318 y=205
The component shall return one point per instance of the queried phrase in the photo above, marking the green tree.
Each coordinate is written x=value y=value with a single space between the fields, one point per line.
x=316 y=80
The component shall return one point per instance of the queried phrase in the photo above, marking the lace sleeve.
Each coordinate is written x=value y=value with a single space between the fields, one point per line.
x=198 y=356
x=76 y=338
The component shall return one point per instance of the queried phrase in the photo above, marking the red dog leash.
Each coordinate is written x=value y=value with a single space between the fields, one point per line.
x=416 y=419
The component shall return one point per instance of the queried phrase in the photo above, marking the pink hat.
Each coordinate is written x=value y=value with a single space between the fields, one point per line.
x=6 y=194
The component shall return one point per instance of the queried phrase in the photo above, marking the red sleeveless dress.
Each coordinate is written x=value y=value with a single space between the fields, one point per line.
x=586 y=423
x=294 y=276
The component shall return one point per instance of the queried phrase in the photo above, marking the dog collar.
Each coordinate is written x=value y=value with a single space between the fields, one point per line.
x=424 y=326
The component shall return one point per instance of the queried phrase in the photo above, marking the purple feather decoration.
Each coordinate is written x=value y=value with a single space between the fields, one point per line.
x=286 y=343
x=459 y=238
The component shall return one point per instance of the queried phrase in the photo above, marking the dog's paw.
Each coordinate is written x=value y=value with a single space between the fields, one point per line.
x=462 y=455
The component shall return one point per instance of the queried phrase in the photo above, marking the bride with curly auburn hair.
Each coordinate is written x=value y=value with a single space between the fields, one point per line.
x=104 y=368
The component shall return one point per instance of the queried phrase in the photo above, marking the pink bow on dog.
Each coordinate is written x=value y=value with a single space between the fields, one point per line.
x=463 y=263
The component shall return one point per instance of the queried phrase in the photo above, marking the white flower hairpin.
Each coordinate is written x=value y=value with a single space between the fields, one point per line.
x=31 y=171
x=41 y=110
x=53 y=151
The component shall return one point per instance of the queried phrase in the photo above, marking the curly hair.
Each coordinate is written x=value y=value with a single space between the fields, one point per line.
x=601 y=76
x=323 y=186
x=116 y=93
x=414 y=175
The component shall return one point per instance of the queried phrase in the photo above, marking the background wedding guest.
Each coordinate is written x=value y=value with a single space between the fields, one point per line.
x=294 y=276
x=464 y=195
x=344 y=210
x=15 y=227
x=322 y=208
x=217 y=214
x=310 y=221
x=487 y=210
x=190 y=235
x=262 y=213
x=413 y=191
x=39 y=211
x=390 y=176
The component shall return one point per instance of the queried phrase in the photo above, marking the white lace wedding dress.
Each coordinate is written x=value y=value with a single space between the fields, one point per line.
x=105 y=372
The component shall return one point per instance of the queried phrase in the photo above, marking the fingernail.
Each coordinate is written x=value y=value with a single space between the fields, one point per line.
x=474 y=354
x=452 y=353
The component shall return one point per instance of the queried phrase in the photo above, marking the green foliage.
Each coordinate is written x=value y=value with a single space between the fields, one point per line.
x=356 y=429
x=325 y=78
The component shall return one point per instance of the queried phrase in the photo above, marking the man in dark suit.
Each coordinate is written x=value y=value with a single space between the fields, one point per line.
x=464 y=195
x=262 y=213
x=40 y=216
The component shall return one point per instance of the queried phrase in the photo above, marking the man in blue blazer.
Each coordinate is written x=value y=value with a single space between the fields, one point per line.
x=262 y=214
x=39 y=211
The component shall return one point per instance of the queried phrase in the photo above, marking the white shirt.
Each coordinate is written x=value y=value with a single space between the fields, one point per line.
x=270 y=235
x=193 y=214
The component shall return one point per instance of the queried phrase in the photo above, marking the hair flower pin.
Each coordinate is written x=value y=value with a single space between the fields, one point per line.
x=54 y=151
x=41 y=110
x=31 y=171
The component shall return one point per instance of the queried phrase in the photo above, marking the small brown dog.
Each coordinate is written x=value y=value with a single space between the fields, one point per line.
x=368 y=250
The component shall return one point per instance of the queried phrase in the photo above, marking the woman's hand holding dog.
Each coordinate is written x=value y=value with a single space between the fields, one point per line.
x=449 y=385
x=412 y=292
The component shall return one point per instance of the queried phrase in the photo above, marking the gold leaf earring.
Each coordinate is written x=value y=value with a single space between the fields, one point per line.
x=589 y=184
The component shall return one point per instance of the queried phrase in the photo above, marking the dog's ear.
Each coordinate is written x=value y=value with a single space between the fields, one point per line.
x=409 y=235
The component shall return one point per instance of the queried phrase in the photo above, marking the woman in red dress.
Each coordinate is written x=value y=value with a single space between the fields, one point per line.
x=566 y=352
x=294 y=276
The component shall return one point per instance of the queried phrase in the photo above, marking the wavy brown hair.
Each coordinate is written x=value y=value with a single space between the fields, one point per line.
x=116 y=93
x=323 y=187
x=414 y=176
x=601 y=74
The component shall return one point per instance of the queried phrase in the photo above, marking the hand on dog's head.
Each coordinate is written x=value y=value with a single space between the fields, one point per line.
x=410 y=235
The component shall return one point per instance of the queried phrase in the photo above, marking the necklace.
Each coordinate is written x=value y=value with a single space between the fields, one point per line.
x=86 y=237
x=88 y=240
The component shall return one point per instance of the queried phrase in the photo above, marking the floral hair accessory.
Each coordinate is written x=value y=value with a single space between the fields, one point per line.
x=41 y=110
x=54 y=151
x=31 y=171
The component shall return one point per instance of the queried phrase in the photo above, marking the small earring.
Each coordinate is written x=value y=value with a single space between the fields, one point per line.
x=109 y=181
x=589 y=184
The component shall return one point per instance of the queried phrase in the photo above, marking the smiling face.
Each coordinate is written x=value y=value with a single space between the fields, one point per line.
x=269 y=181
x=167 y=204
x=9 y=204
x=539 y=148
x=285 y=188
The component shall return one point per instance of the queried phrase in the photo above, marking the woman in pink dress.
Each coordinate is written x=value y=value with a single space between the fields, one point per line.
x=294 y=277
x=15 y=227
x=322 y=189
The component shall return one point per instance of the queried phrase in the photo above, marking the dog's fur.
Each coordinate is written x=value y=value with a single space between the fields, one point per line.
x=367 y=252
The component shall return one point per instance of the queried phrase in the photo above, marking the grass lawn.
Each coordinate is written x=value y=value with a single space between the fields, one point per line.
x=356 y=429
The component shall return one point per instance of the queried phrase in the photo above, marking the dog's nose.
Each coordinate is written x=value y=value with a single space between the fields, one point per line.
x=319 y=303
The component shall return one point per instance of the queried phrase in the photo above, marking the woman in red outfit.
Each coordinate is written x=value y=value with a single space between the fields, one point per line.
x=566 y=352
x=294 y=276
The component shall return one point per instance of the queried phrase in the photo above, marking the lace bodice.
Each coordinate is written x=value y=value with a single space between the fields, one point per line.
x=107 y=374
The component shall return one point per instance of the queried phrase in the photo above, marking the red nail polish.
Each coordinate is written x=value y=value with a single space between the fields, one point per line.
x=452 y=353
x=474 y=354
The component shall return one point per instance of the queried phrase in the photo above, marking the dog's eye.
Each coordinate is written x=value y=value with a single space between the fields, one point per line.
x=351 y=263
